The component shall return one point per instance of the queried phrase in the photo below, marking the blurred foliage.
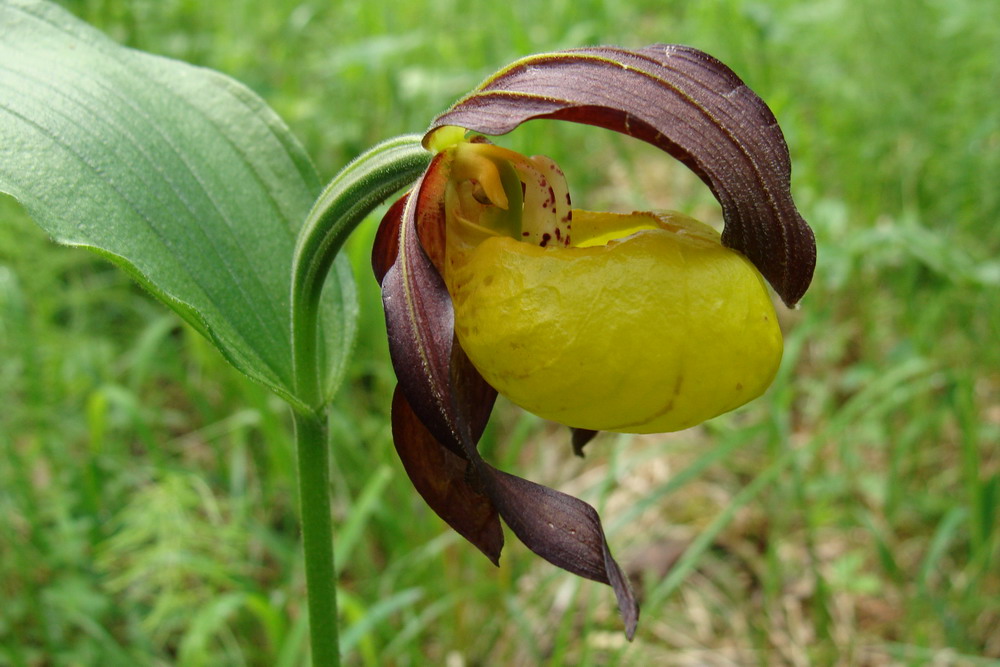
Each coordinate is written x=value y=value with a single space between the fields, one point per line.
x=848 y=517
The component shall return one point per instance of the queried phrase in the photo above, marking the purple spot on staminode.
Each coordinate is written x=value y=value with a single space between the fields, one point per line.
x=546 y=237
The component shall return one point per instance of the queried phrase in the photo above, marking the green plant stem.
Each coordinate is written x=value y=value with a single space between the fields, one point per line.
x=352 y=194
x=317 y=537
x=347 y=200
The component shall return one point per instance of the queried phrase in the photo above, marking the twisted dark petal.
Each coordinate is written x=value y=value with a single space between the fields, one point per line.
x=420 y=321
x=563 y=530
x=684 y=102
x=441 y=407
x=445 y=481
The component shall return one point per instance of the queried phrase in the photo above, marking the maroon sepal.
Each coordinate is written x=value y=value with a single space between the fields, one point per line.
x=685 y=102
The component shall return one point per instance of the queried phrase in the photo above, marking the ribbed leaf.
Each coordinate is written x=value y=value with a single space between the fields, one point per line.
x=684 y=102
x=181 y=176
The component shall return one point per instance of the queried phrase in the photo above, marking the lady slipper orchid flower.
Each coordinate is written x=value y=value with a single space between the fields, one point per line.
x=639 y=322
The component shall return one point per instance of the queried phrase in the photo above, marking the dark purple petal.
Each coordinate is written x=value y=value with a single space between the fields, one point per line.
x=420 y=323
x=445 y=481
x=563 y=530
x=684 y=102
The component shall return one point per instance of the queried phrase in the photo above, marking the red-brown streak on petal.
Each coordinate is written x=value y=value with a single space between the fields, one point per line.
x=385 y=249
x=445 y=481
x=429 y=213
x=684 y=102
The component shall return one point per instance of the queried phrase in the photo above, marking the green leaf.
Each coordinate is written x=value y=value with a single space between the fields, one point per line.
x=177 y=174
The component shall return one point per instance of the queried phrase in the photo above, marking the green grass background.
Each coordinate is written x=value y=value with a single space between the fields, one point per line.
x=849 y=517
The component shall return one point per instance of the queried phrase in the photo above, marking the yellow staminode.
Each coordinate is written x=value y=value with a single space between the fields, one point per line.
x=643 y=323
